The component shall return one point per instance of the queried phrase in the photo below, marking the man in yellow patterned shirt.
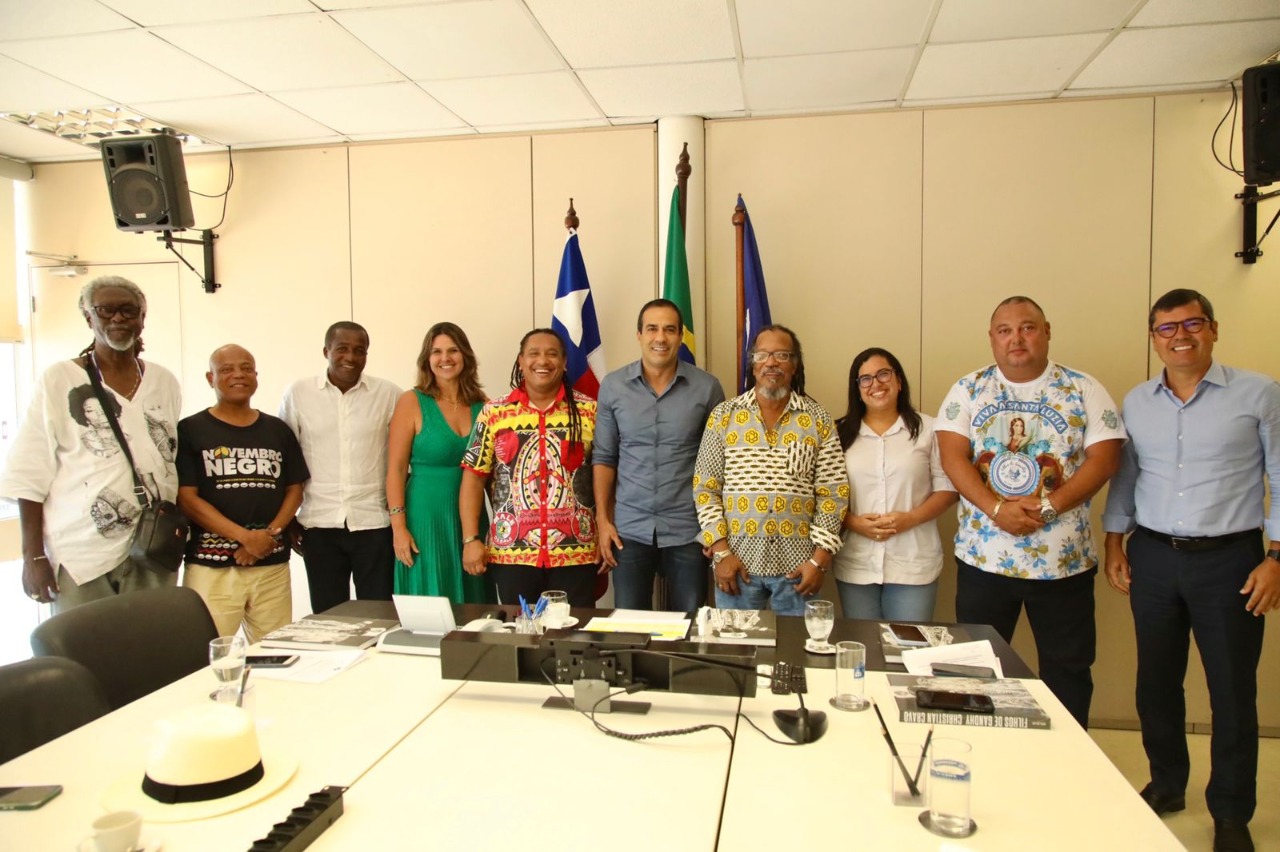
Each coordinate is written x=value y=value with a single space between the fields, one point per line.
x=770 y=485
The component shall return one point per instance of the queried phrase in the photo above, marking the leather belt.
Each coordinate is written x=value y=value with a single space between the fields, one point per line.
x=1198 y=543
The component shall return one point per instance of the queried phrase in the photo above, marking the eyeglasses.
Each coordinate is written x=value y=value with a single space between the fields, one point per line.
x=125 y=310
x=759 y=356
x=882 y=377
x=1193 y=326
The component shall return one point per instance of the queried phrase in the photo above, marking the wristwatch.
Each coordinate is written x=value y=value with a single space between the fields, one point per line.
x=1274 y=553
x=1047 y=512
x=720 y=556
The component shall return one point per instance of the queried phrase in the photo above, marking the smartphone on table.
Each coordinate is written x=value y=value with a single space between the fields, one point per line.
x=960 y=702
x=271 y=661
x=27 y=798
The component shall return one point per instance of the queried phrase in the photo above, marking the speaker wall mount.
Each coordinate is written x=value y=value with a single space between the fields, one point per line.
x=1260 y=132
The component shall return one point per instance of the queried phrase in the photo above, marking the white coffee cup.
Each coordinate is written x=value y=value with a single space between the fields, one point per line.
x=117 y=831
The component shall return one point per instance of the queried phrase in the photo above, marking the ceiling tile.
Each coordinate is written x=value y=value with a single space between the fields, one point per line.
x=329 y=5
x=154 y=70
x=283 y=52
x=386 y=108
x=770 y=28
x=988 y=20
x=22 y=143
x=522 y=99
x=1190 y=54
x=985 y=99
x=32 y=19
x=1009 y=67
x=1160 y=13
x=703 y=89
x=415 y=134
x=24 y=89
x=156 y=13
x=827 y=80
x=454 y=40
x=545 y=125
x=613 y=33
x=239 y=119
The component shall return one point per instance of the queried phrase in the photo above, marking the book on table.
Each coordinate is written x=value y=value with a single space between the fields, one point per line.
x=318 y=632
x=1015 y=707
x=741 y=627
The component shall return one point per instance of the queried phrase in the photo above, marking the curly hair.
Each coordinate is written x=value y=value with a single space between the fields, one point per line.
x=469 y=387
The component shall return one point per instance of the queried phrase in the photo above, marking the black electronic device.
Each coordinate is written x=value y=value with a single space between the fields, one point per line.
x=1260 y=124
x=27 y=798
x=960 y=702
x=147 y=183
x=959 y=670
x=271 y=661
x=801 y=726
x=909 y=635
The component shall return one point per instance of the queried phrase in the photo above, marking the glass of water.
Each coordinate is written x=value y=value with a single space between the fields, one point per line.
x=851 y=677
x=556 y=611
x=819 y=619
x=226 y=658
x=950 y=779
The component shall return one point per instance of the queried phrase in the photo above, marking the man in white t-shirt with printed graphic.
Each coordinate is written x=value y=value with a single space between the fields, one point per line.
x=1027 y=442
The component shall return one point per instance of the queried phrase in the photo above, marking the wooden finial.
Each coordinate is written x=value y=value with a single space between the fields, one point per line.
x=571 y=218
x=683 y=169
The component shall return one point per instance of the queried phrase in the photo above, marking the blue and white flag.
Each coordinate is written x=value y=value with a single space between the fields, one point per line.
x=755 y=300
x=574 y=316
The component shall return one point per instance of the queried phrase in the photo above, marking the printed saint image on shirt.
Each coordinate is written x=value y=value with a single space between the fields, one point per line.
x=1015 y=459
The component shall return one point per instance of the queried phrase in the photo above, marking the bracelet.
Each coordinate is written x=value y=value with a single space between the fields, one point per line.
x=996 y=510
x=815 y=564
x=470 y=539
x=396 y=510
x=39 y=558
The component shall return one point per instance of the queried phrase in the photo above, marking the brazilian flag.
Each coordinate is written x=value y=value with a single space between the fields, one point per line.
x=675 y=279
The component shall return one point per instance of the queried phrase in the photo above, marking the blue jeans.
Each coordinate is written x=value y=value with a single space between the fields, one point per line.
x=683 y=567
x=776 y=593
x=887 y=601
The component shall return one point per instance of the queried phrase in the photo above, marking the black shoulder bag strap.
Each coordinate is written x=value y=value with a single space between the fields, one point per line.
x=90 y=365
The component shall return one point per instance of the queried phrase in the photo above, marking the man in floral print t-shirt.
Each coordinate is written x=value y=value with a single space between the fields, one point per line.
x=1028 y=442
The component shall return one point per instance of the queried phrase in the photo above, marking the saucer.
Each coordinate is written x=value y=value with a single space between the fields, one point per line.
x=828 y=648
x=571 y=621
x=149 y=843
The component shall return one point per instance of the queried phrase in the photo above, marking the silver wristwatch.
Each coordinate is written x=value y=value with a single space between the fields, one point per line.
x=720 y=556
x=1047 y=512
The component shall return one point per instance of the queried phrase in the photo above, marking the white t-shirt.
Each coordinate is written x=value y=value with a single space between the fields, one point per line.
x=66 y=457
x=344 y=440
x=1026 y=439
x=892 y=473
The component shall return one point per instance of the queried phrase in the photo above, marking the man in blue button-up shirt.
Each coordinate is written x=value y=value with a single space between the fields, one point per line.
x=1202 y=438
x=648 y=427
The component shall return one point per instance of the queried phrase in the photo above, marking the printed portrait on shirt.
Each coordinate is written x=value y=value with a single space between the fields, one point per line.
x=95 y=430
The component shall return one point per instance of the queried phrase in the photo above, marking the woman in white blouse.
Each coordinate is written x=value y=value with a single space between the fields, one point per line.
x=892 y=555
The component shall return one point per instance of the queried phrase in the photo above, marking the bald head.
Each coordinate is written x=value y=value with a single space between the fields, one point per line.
x=233 y=374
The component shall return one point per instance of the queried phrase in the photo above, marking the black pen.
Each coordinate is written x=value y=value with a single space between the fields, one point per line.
x=911 y=784
x=924 y=750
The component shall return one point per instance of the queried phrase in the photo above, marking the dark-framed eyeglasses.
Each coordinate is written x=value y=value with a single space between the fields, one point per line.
x=883 y=377
x=1192 y=326
x=125 y=309
x=782 y=356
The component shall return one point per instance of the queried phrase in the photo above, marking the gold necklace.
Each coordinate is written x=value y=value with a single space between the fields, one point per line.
x=137 y=383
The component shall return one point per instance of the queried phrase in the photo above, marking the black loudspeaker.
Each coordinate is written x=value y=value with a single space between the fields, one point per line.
x=1261 y=113
x=147 y=182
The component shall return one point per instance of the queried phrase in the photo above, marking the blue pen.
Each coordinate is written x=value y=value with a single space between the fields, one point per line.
x=524 y=606
x=542 y=604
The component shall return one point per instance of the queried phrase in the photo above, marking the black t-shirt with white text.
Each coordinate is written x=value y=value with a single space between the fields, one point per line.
x=242 y=471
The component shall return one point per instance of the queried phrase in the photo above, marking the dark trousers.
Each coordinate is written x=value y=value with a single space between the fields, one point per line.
x=1061 y=616
x=578 y=582
x=1174 y=593
x=682 y=565
x=334 y=556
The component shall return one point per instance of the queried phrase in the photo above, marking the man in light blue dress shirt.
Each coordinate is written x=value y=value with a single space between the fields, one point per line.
x=648 y=427
x=1202 y=438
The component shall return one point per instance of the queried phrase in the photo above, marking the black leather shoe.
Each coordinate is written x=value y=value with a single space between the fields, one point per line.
x=1163 y=803
x=1231 y=836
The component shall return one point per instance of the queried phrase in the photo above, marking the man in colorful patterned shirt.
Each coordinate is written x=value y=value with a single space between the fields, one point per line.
x=770 y=485
x=1027 y=442
x=531 y=450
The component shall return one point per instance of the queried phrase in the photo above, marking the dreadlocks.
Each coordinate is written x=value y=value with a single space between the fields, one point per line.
x=517 y=381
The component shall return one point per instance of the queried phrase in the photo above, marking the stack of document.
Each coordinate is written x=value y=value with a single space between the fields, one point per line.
x=666 y=626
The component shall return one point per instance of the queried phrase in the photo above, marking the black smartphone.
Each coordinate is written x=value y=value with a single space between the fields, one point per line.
x=271 y=661
x=959 y=670
x=27 y=798
x=908 y=634
x=963 y=702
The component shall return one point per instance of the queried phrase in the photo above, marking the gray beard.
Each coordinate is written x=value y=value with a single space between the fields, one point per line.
x=773 y=395
x=123 y=345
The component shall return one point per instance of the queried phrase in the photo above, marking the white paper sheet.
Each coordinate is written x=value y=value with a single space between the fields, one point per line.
x=312 y=666
x=919 y=661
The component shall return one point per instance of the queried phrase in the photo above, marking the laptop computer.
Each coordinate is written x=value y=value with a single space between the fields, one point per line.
x=424 y=621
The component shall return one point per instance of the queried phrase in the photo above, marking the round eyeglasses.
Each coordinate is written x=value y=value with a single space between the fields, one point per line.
x=882 y=377
x=759 y=356
x=1192 y=326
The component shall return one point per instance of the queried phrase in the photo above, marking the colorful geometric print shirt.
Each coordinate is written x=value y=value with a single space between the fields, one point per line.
x=1026 y=439
x=774 y=494
x=539 y=484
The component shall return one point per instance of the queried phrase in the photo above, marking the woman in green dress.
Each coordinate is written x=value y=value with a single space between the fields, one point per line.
x=429 y=433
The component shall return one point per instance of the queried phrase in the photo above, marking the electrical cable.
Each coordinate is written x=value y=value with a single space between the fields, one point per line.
x=1213 y=140
x=231 y=179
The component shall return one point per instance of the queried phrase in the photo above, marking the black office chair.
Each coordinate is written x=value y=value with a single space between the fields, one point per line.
x=133 y=643
x=44 y=698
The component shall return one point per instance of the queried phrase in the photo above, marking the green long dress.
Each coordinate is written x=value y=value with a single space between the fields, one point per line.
x=431 y=513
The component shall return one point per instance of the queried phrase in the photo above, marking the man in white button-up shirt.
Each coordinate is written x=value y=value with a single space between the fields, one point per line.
x=341 y=419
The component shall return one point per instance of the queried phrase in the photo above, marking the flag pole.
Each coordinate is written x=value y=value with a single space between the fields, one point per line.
x=571 y=218
x=683 y=170
x=739 y=220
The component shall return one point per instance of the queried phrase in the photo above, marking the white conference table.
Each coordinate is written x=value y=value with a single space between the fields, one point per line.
x=433 y=764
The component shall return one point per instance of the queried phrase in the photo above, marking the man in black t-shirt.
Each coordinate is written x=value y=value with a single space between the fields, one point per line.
x=240 y=478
